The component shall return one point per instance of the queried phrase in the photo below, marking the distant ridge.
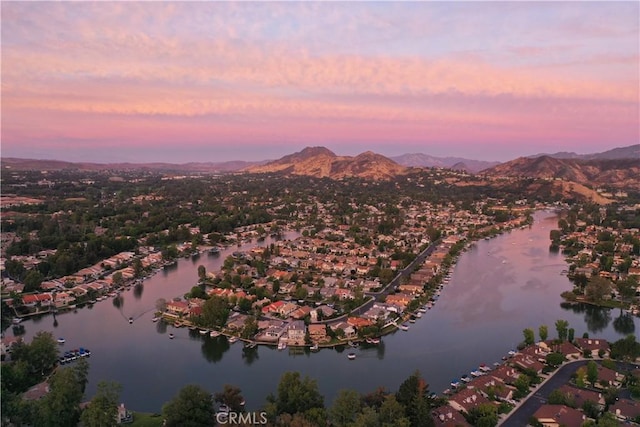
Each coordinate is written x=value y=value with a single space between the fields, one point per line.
x=321 y=162
x=630 y=152
x=427 y=161
x=206 y=167
x=620 y=173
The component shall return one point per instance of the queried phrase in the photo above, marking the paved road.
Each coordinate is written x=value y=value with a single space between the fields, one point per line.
x=523 y=413
x=403 y=274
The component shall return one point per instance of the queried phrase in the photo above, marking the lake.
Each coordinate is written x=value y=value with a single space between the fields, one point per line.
x=498 y=288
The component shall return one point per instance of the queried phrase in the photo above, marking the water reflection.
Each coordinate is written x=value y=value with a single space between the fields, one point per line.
x=250 y=355
x=138 y=288
x=624 y=323
x=214 y=348
x=161 y=327
x=596 y=318
x=118 y=302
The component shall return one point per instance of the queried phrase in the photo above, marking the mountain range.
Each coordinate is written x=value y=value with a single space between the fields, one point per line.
x=619 y=167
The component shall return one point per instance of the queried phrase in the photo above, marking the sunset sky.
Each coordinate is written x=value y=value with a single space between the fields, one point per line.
x=215 y=81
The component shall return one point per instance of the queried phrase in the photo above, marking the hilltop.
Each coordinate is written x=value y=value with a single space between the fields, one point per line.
x=321 y=162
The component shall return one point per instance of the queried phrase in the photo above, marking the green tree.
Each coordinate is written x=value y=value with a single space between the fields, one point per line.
x=61 y=406
x=215 y=312
x=345 y=408
x=562 y=329
x=117 y=278
x=297 y=395
x=413 y=395
x=626 y=348
x=483 y=415
x=598 y=288
x=555 y=359
x=137 y=268
x=202 y=273
x=103 y=408
x=543 y=331
x=392 y=413
x=592 y=372
x=32 y=281
x=529 y=336
x=191 y=407
x=570 y=334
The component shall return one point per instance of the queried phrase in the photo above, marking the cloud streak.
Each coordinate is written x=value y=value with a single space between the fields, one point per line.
x=415 y=72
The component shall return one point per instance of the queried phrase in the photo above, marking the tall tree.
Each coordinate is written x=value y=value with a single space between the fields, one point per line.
x=192 y=407
x=413 y=395
x=61 y=406
x=562 y=329
x=529 y=336
x=297 y=395
x=346 y=408
x=103 y=408
x=592 y=372
x=543 y=331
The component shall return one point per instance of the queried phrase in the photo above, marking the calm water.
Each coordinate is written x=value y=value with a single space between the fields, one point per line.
x=498 y=288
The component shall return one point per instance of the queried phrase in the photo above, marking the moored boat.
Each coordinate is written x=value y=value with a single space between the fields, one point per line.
x=351 y=356
x=214 y=334
x=171 y=336
x=61 y=340
x=404 y=327
x=232 y=340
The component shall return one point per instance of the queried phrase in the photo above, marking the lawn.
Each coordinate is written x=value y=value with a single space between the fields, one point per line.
x=145 y=419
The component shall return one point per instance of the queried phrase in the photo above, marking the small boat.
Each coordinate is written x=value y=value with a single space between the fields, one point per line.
x=404 y=327
x=351 y=356
x=17 y=320
x=455 y=383
x=282 y=345
x=232 y=340
x=155 y=319
x=315 y=347
x=418 y=315
x=171 y=336
x=484 y=368
x=203 y=332
x=214 y=334
x=422 y=309
x=465 y=378
x=61 y=340
x=130 y=320
x=512 y=353
x=373 y=340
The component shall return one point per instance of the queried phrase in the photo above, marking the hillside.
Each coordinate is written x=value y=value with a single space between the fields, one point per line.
x=622 y=173
x=321 y=162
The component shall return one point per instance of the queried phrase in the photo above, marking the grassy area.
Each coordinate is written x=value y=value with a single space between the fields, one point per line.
x=145 y=419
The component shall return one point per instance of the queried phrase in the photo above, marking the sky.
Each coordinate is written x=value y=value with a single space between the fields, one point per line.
x=217 y=81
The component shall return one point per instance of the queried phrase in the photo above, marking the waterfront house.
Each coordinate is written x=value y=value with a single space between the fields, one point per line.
x=565 y=348
x=525 y=362
x=625 y=410
x=318 y=333
x=272 y=329
x=177 y=307
x=446 y=416
x=64 y=298
x=506 y=374
x=236 y=321
x=489 y=385
x=467 y=399
x=359 y=322
x=296 y=333
x=44 y=299
x=559 y=415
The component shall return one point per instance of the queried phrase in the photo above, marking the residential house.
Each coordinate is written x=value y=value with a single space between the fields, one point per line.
x=318 y=333
x=608 y=377
x=569 y=350
x=625 y=409
x=594 y=346
x=177 y=308
x=296 y=333
x=467 y=399
x=44 y=299
x=446 y=416
x=359 y=322
x=62 y=299
x=505 y=373
x=301 y=312
x=559 y=415
x=490 y=385
x=578 y=396
x=525 y=362
x=286 y=309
